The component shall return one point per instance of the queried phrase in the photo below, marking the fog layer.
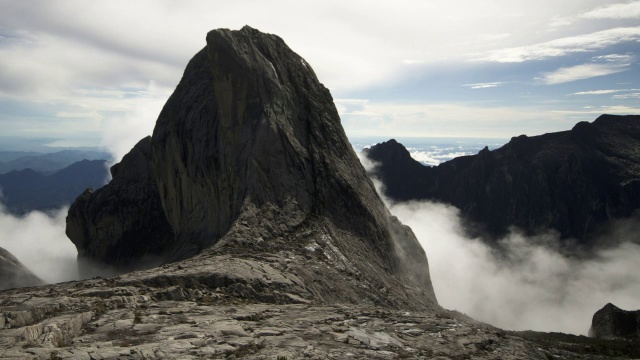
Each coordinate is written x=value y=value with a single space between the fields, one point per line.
x=530 y=285
x=533 y=287
x=39 y=242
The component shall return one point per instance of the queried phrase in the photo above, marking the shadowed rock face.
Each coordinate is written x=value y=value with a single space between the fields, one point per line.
x=121 y=225
x=14 y=274
x=613 y=322
x=573 y=181
x=248 y=158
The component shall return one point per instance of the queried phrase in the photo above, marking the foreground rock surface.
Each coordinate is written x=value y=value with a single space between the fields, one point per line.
x=613 y=322
x=575 y=182
x=14 y=274
x=118 y=318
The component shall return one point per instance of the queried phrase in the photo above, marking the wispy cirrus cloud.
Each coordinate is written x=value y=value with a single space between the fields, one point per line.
x=596 y=92
x=484 y=85
x=600 y=66
x=580 y=72
x=592 y=110
x=564 y=46
x=627 y=96
x=615 y=11
x=604 y=92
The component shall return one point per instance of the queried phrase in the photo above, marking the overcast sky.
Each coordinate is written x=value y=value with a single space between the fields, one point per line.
x=99 y=71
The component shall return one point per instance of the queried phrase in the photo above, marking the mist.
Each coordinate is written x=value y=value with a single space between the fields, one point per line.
x=530 y=284
x=122 y=132
x=38 y=240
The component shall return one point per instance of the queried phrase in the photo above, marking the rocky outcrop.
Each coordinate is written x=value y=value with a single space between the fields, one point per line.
x=122 y=225
x=14 y=274
x=108 y=319
x=574 y=181
x=249 y=160
x=613 y=322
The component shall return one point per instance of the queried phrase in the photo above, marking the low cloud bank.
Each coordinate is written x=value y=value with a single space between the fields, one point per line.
x=39 y=242
x=531 y=286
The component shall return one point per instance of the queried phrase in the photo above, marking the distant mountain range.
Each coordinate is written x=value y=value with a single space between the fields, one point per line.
x=46 y=162
x=574 y=181
x=27 y=190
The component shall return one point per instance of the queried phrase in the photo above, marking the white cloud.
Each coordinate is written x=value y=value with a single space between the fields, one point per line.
x=606 y=92
x=93 y=56
x=580 y=72
x=412 y=61
x=629 y=10
x=531 y=286
x=595 y=111
x=627 y=96
x=137 y=120
x=449 y=120
x=564 y=46
x=596 y=92
x=484 y=85
x=39 y=242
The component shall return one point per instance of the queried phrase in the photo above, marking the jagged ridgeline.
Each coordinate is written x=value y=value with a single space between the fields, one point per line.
x=577 y=182
x=249 y=176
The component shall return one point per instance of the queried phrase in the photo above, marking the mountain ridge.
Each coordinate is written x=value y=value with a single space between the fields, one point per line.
x=574 y=181
x=27 y=190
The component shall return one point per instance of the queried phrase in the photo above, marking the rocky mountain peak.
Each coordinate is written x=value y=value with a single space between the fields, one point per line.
x=248 y=158
x=613 y=322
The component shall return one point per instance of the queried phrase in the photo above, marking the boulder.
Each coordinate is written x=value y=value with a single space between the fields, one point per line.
x=14 y=274
x=613 y=322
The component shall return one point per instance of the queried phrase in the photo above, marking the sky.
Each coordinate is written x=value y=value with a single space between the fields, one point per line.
x=99 y=72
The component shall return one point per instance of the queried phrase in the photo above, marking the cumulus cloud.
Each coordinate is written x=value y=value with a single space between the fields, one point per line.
x=39 y=242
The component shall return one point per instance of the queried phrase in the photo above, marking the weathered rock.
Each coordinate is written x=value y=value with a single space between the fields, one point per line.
x=574 y=181
x=613 y=322
x=14 y=274
x=102 y=319
x=249 y=159
x=121 y=225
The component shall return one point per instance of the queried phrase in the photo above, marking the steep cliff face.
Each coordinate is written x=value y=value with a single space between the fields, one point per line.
x=14 y=274
x=121 y=225
x=573 y=181
x=613 y=322
x=249 y=159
